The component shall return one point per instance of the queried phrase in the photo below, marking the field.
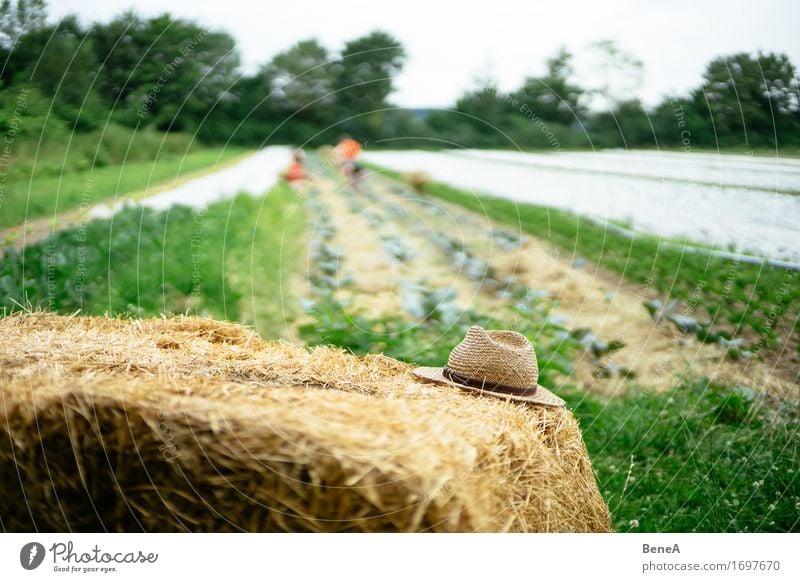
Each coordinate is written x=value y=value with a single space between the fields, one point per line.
x=688 y=429
x=148 y=262
x=82 y=171
x=730 y=203
x=743 y=307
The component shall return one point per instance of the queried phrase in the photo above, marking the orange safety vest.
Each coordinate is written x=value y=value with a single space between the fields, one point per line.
x=294 y=172
x=349 y=149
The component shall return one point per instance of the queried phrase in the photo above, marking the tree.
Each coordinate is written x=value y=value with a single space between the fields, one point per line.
x=301 y=88
x=363 y=77
x=15 y=19
x=59 y=60
x=248 y=115
x=165 y=71
x=751 y=99
x=628 y=125
x=682 y=122
x=482 y=113
x=615 y=75
x=553 y=97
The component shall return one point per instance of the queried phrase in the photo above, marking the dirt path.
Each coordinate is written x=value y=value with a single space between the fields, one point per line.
x=379 y=263
x=655 y=355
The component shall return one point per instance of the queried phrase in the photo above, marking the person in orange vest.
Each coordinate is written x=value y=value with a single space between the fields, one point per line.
x=347 y=153
x=296 y=172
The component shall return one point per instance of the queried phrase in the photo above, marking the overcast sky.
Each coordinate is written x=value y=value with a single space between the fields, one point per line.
x=451 y=43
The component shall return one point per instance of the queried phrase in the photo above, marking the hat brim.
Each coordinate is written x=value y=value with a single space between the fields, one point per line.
x=542 y=395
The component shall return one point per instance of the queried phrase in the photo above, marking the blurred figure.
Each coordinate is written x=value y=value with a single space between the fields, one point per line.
x=347 y=152
x=357 y=172
x=296 y=172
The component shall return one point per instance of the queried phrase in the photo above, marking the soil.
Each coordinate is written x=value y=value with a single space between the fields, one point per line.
x=655 y=354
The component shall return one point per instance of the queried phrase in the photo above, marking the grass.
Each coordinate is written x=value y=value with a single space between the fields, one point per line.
x=702 y=458
x=46 y=195
x=758 y=303
x=229 y=261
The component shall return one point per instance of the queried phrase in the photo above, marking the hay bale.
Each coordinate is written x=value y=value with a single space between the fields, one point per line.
x=191 y=424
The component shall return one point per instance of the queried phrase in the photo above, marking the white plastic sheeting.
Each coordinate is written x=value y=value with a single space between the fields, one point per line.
x=667 y=203
x=254 y=175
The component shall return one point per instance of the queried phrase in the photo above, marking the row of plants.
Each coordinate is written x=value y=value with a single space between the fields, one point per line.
x=702 y=457
x=458 y=254
x=431 y=324
x=751 y=310
x=27 y=195
x=143 y=262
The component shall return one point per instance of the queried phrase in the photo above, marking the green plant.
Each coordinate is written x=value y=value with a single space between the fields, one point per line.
x=228 y=261
x=758 y=303
x=702 y=457
x=45 y=184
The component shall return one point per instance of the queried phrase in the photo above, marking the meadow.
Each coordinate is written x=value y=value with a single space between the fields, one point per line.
x=145 y=262
x=700 y=457
x=80 y=170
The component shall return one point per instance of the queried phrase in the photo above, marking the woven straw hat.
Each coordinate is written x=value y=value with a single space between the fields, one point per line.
x=494 y=363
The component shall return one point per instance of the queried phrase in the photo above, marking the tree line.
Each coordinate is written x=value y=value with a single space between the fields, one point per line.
x=172 y=75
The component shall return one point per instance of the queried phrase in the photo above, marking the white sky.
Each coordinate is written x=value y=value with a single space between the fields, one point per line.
x=450 y=43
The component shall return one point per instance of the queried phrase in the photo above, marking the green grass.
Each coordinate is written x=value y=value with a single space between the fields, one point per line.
x=230 y=261
x=702 y=458
x=759 y=303
x=47 y=194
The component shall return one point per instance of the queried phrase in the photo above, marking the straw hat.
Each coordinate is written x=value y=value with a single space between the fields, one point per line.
x=494 y=363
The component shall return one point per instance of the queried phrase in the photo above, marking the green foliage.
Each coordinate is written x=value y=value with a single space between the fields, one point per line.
x=16 y=18
x=745 y=101
x=362 y=78
x=731 y=300
x=683 y=122
x=301 y=88
x=629 y=123
x=752 y=99
x=145 y=263
x=702 y=458
x=59 y=60
x=173 y=75
x=25 y=120
x=553 y=97
x=163 y=71
x=87 y=168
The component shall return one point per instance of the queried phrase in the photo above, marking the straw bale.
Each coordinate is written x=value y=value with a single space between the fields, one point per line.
x=189 y=424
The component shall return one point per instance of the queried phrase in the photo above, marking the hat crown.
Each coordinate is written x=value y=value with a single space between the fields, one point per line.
x=496 y=358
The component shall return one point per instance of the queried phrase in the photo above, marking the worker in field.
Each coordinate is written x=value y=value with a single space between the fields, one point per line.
x=347 y=152
x=296 y=173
